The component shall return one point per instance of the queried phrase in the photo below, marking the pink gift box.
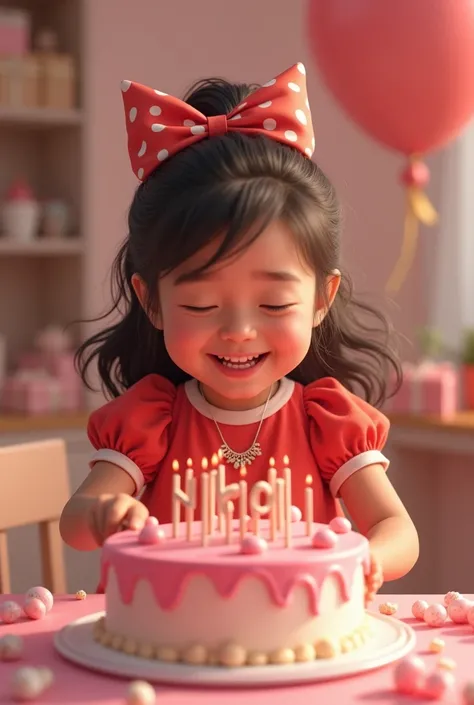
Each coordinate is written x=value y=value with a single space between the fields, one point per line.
x=34 y=392
x=429 y=388
x=57 y=364
x=14 y=32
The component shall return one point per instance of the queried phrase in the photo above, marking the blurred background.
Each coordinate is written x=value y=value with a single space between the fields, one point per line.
x=65 y=186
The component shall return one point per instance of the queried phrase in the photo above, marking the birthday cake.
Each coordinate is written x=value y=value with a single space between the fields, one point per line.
x=235 y=598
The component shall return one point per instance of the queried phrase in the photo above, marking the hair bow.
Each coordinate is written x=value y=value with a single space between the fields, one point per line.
x=159 y=125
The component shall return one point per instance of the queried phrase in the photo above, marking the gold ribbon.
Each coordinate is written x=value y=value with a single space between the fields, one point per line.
x=418 y=209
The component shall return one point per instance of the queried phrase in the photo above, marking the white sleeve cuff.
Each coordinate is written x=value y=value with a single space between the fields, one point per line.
x=113 y=456
x=369 y=457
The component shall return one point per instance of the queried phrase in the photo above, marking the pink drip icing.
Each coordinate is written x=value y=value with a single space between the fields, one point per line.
x=169 y=578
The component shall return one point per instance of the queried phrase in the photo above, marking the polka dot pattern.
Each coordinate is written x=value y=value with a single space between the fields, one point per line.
x=279 y=110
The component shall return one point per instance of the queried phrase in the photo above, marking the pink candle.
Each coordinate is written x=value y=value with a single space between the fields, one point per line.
x=204 y=508
x=272 y=477
x=190 y=505
x=176 y=503
x=213 y=493
x=243 y=502
x=229 y=515
x=308 y=505
x=288 y=523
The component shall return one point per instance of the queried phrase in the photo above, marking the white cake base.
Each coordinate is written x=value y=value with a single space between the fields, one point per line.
x=391 y=641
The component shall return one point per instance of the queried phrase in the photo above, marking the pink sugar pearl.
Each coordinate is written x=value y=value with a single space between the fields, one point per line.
x=10 y=611
x=457 y=610
x=468 y=693
x=418 y=609
x=253 y=545
x=324 y=538
x=43 y=594
x=450 y=596
x=296 y=514
x=151 y=521
x=34 y=608
x=151 y=535
x=11 y=647
x=438 y=684
x=340 y=525
x=435 y=615
x=409 y=675
x=470 y=615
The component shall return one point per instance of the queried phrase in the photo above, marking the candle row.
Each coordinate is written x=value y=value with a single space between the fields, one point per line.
x=270 y=497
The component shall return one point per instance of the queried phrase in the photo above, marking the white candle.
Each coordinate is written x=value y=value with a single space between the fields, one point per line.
x=204 y=508
x=243 y=502
x=256 y=507
x=288 y=526
x=224 y=494
x=212 y=493
x=190 y=505
x=308 y=505
x=280 y=502
x=229 y=515
x=272 y=476
x=176 y=502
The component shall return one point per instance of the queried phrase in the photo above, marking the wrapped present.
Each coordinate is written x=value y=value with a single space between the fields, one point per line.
x=428 y=388
x=59 y=364
x=38 y=392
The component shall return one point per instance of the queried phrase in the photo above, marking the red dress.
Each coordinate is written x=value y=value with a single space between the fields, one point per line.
x=326 y=432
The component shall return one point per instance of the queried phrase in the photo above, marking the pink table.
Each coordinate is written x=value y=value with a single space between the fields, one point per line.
x=74 y=685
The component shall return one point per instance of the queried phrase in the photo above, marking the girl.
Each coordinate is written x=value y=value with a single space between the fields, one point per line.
x=236 y=328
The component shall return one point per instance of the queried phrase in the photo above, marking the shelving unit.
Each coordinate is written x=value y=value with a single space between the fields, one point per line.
x=41 y=282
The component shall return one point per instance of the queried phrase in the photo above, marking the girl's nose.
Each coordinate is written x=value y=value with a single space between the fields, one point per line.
x=238 y=329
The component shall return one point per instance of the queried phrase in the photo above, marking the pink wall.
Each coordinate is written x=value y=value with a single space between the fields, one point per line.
x=169 y=45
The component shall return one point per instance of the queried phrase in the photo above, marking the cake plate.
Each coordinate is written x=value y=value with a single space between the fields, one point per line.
x=391 y=640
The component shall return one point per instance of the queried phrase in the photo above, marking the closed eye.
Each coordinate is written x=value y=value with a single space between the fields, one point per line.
x=198 y=309
x=283 y=307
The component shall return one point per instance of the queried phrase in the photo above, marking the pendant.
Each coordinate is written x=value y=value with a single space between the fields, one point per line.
x=240 y=459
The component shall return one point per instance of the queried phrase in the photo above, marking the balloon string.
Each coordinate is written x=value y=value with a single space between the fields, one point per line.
x=408 y=252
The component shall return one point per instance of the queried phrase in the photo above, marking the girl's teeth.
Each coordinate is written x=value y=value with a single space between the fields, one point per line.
x=239 y=363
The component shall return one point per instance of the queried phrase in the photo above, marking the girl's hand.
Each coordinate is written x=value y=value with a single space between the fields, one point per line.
x=110 y=513
x=374 y=580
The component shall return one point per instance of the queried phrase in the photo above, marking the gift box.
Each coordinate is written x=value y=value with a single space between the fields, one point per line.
x=37 y=392
x=58 y=364
x=427 y=388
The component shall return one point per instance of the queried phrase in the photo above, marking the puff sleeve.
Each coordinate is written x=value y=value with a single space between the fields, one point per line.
x=346 y=433
x=132 y=430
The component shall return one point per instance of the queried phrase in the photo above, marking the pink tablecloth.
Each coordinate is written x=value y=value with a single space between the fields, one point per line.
x=74 y=685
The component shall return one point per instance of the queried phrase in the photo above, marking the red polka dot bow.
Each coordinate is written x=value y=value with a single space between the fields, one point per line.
x=159 y=125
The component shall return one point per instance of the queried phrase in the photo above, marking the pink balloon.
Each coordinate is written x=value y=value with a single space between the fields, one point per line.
x=404 y=70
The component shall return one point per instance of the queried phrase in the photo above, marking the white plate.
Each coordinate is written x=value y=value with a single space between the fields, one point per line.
x=391 y=640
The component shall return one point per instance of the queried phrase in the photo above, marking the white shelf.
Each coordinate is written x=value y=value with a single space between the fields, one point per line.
x=39 y=117
x=41 y=248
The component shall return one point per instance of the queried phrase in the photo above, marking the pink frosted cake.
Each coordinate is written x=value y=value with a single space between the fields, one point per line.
x=235 y=599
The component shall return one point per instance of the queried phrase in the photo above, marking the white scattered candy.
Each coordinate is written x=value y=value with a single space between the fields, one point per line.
x=34 y=608
x=436 y=645
x=43 y=594
x=435 y=615
x=10 y=611
x=11 y=647
x=141 y=693
x=27 y=683
x=448 y=664
x=81 y=595
x=418 y=609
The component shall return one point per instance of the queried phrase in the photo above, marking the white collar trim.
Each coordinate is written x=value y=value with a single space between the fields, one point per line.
x=239 y=418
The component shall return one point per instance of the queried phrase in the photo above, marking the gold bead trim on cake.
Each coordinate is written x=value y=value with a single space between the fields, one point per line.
x=233 y=655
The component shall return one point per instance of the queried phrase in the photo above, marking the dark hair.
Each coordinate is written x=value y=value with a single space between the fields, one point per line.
x=237 y=185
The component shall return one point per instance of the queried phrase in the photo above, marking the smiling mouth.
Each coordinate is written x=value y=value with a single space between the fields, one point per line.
x=240 y=362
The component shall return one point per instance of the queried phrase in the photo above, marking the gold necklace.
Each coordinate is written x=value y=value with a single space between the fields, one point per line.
x=249 y=455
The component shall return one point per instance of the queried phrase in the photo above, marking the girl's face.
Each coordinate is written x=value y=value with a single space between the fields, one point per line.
x=245 y=323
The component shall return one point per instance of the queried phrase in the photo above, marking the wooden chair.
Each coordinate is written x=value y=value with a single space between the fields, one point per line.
x=34 y=487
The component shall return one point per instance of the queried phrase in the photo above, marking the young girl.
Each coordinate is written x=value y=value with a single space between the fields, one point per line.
x=236 y=328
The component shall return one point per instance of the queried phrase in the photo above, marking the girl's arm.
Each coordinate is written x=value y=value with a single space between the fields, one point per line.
x=99 y=506
x=379 y=514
